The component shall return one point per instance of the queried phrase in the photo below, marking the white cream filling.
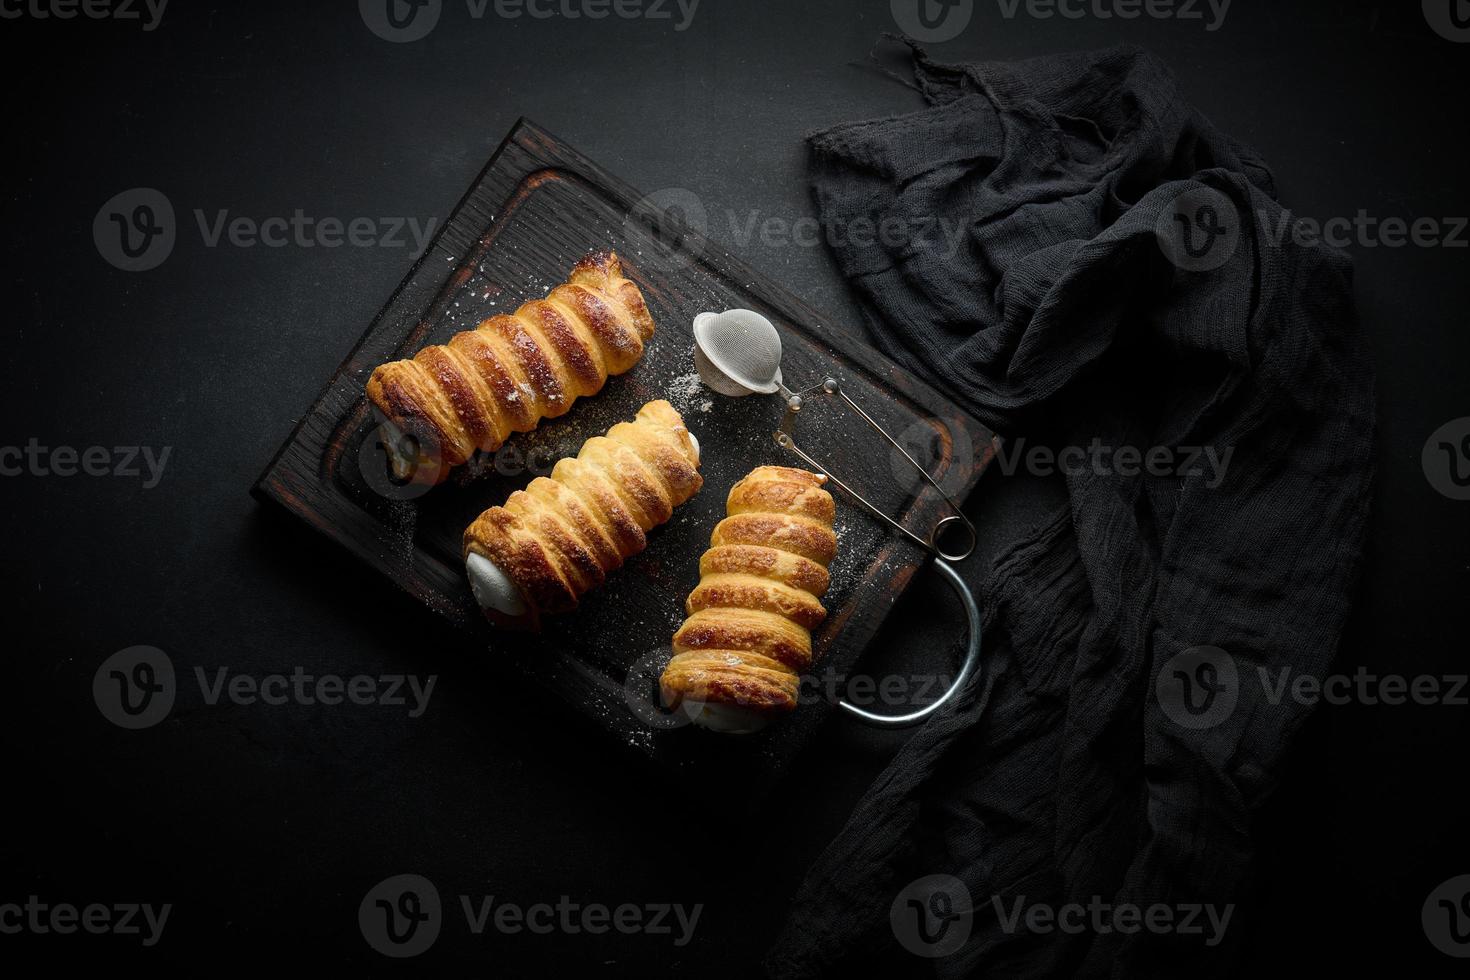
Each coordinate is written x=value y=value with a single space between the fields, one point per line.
x=694 y=440
x=493 y=588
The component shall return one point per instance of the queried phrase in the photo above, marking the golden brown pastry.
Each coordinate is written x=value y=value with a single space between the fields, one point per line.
x=510 y=372
x=739 y=656
x=560 y=536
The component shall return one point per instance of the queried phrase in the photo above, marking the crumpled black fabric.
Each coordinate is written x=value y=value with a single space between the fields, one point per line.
x=1059 y=777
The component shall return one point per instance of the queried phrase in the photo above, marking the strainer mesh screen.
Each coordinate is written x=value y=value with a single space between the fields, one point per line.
x=747 y=355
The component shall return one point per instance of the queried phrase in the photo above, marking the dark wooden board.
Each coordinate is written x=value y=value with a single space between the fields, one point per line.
x=537 y=207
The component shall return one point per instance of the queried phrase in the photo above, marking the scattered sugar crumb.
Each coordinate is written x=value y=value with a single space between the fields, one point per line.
x=682 y=390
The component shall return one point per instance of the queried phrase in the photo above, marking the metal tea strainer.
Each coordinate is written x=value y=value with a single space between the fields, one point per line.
x=738 y=353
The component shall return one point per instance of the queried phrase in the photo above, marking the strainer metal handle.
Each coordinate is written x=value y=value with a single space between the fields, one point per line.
x=968 y=666
x=786 y=439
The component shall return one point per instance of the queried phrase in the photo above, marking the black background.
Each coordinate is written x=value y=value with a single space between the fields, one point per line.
x=264 y=826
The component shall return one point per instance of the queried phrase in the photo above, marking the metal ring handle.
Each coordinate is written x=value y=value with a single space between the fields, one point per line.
x=939 y=529
x=970 y=664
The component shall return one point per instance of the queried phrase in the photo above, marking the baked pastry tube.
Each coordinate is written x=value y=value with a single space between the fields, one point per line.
x=563 y=534
x=510 y=372
x=739 y=656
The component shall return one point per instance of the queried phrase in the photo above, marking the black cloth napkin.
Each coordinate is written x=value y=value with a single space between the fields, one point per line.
x=1124 y=277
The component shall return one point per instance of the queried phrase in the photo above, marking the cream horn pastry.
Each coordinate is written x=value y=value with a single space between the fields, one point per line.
x=511 y=371
x=739 y=656
x=560 y=537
